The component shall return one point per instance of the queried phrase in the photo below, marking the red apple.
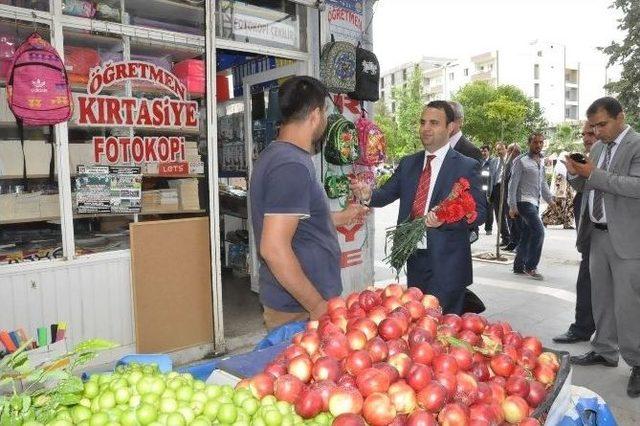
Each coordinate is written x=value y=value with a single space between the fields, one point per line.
x=390 y=329
x=422 y=353
x=433 y=397
x=389 y=370
x=512 y=338
x=537 y=393
x=449 y=381
x=378 y=409
x=453 y=414
x=351 y=299
x=506 y=327
x=549 y=359
x=310 y=342
x=502 y=365
x=428 y=324
x=372 y=380
x=485 y=394
x=403 y=397
x=356 y=311
x=498 y=414
x=335 y=303
x=349 y=420
x=526 y=358
x=309 y=404
x=377 y=349
x=466 y=389
x=357 y=340
x=518 y=386
x=473 y=322
x=510 y=350
x=293 y=351
x=498 y=394
x=391 y=303
x=345 y=400
x=367 y=326
x=421 y=418
x=419 y=376
x=463 y=357
x=470 y=337
x=326 y=328
x=377 y=314
x=453 y=321
x=261 y=385
x=369 y=300
x=429 y=301
x=358 y=361
x=419 y=335
x=401 y=362
x=347 y=381
x=499 y=380
x=397 y=346
x=480 y=371
x=288 y=388
x=324 y=388
x=529 y=421
x=416 y=309
x=276 y=369
x=544 y=374
x=483 y=413
x=326 y=368
x=445 y=363
x=393 y=290
x=336 y=345
x=515 y=409
x=445 y=331
x=337 y=313
x=494 y=332
x=533 y=344
x=301 y=367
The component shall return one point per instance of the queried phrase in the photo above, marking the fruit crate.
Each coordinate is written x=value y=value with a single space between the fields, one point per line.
x=553 y=409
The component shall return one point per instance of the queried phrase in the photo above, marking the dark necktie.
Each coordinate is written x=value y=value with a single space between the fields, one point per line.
x=598 y=196
x=420 y=201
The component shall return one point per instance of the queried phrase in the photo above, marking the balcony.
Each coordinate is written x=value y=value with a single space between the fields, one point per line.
x=482 y=76
x=485 y=57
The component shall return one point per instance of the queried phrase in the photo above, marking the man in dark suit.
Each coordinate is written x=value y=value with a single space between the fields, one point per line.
x=442 y=264
x=513 y=152
x=457 y=140
x=584 y=325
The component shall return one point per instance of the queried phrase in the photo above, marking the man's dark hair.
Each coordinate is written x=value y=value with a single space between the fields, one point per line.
x=609 y=104
x=533 y=135
x=443 y=106
x=300 y=95
x=486 y=147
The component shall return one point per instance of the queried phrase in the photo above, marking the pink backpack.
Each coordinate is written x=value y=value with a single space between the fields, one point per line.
x=38 y=90
x=373 y=146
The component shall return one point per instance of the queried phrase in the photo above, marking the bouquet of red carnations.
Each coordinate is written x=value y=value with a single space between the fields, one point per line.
x=405 y=237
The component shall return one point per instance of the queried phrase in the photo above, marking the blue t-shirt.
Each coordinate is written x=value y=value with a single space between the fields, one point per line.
x=284 y=182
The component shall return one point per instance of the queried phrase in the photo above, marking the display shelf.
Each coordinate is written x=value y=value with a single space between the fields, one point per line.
x=98 y=215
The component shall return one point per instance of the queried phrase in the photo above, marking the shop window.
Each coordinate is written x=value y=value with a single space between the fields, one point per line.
x=281 y=24
x=29 y=4
x=29 y=207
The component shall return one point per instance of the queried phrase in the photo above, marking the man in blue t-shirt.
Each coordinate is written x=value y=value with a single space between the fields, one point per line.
x=295 y=232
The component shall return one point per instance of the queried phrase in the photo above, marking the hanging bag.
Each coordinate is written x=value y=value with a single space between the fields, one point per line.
x=341 y=141
x=338 y=66
x=367 y=76
x=373 y=146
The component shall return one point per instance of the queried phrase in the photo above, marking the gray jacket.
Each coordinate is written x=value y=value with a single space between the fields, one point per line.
x=621 y=185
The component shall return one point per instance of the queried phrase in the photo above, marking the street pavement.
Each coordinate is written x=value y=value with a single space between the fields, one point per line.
x=541 y=308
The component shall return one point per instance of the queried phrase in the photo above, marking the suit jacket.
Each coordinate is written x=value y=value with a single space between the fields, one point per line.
x=468 y=149
x=492 y=165
x=448 y=244
x=621 y=187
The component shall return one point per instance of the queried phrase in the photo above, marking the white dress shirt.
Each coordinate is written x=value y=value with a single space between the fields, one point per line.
x=436 y=165
x=453 y=140
x=603 y=154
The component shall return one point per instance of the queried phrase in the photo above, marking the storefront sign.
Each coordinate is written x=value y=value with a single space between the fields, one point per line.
x=138 y=149
x=173 y=169
x=265 y=29
x=353 y=5
x=345 y=21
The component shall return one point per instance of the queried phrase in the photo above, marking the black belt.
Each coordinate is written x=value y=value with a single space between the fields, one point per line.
x=601 y=226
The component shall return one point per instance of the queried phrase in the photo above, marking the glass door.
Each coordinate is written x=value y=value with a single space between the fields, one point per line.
x=262 y=117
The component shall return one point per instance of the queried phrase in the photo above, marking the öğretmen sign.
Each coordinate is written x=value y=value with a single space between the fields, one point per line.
x=96 y=110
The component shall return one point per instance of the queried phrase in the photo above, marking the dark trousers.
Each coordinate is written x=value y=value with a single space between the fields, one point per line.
x=488 y=221
x=495 y=203
x=584 y=325
x=420 y=274
x=531 y=237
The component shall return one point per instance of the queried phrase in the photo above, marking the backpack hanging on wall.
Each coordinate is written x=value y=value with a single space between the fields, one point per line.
x=38 y=91
x=341 y=141
x=373 y=146
x=338 y=66
x=367 y=76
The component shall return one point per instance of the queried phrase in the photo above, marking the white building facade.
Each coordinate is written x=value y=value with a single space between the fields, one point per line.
x=563 y=82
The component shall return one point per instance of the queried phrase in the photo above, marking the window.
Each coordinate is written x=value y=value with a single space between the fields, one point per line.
x=536 y=71
x=466 y=72
x=536 y=90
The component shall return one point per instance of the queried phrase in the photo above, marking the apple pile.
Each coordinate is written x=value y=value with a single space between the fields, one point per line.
x=390 y=357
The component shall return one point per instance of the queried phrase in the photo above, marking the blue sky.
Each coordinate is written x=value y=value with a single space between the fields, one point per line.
x=404 y=30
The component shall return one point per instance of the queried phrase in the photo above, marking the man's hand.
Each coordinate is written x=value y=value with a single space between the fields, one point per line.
x=432 y=220
x=319 y=310
x=513 y=212
x=580 y=169
x=353 y=213
x=361 y=190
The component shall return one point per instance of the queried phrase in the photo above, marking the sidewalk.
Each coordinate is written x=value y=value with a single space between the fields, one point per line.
x=541 y=308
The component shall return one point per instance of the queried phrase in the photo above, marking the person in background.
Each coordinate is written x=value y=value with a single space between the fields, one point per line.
x=496 y=197
x=528 y=184
x=584 y=325
x=513 y=152
x=562 y=212
x=610 y=182
x=294 y=230
x=487 y=166
x=442 y=264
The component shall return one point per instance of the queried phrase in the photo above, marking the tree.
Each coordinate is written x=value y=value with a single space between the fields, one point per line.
x=401 y=129
x=498 y=113
x=565 y=138
x=627 y=53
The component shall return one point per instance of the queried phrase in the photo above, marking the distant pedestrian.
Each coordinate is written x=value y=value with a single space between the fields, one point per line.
x=496 y=197
x=528 y=184
x=513 y=152
x=487 y=166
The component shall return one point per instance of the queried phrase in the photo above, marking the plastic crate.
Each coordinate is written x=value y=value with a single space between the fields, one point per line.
x=555 y=405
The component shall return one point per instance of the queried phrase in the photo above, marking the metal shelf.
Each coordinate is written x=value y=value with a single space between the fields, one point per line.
x=98 y=215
